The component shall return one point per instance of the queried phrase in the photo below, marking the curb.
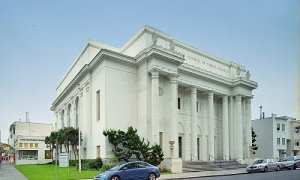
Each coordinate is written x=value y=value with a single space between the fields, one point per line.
x=192 y=177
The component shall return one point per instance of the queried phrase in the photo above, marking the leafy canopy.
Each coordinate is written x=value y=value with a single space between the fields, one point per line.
x=128 y=145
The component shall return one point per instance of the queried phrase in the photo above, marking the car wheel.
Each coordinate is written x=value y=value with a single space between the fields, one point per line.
x=115 y=178
x=265 y=169
x=295 y=166
x=278 y=168
x=152 y=176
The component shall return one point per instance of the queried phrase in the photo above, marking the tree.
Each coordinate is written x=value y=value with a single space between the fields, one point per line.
x=64 y=137
x=128 y=144
x=254 y=146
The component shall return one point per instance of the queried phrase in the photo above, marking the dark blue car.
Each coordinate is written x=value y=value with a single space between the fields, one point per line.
x=130 y=170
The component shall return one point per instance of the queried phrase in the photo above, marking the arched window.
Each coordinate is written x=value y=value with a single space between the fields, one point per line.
x=69 y=115
x=76 y=112
x=62 y=118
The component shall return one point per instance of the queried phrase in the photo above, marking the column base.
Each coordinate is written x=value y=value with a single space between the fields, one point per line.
x=172 y=164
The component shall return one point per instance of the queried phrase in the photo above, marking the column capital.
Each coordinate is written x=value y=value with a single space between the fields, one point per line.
x=238 y=98
x=173 y=79
x=210 y=94
x=248 y=100
x=154 y=74
x=225 y=98
x=193 y=90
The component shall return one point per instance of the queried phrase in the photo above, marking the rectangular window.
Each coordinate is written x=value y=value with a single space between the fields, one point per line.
x=297 y=143
x=26 y=145
x=278 y=141
x=31 y=145
x=161 y=139
x=98 y=151
x=197 y=106
x=283 y=127
x=48 y=154
x=278 y=126
x=98 y=104
x=20 y=145
x=178 y=103
x=283 y=141
x=28 y=155
x=36 y=145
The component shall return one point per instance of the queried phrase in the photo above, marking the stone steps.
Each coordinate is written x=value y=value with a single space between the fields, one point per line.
x=196 y=166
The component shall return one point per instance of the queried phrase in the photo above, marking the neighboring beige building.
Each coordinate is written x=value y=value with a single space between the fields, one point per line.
x=28 y=140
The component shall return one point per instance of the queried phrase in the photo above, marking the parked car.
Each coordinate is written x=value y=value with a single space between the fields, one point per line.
x=263 y=165
x=130 y=170
x=290 y=162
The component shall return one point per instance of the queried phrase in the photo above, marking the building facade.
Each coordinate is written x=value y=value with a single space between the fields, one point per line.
x=195 y=105
x=28 y=140
x=277 y=137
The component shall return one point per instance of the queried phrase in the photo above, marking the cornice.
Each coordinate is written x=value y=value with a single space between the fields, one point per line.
x=199 y=72
x=163 y=53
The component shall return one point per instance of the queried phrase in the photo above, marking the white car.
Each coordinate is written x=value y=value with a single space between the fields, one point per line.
x=263 y=165
x=290 y=162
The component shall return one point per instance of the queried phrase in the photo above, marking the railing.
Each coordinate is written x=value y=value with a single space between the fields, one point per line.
x=229 y=159
x=215 y=160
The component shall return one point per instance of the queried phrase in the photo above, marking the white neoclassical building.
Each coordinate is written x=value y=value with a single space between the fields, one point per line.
x=195 y=105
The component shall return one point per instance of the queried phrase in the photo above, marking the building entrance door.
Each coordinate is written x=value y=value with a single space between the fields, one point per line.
x=198 y=148
x=180 y=146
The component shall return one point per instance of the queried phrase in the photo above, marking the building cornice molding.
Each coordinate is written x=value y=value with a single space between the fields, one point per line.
x=163 y=53
x=199 y=72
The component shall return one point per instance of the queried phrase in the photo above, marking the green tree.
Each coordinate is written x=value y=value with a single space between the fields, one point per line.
x=128 y=144
x=254 y=146
x=66 y=137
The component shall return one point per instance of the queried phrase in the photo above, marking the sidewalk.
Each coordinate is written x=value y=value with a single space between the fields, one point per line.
x=203 y=174
x=9 y=172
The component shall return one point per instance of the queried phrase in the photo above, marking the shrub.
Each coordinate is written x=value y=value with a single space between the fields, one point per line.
x=90 y=164
x=106 y=167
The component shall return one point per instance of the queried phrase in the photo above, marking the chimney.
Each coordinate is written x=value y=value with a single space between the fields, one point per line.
x=260 y=112
x=27 y=116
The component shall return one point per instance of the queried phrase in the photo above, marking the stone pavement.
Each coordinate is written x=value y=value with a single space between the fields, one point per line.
x=9 y=172
x=203 y=174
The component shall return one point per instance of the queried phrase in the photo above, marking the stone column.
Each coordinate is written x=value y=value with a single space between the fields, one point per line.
x=232 y=130
x=174 y=115
x=211 y=125
x=89 y=121
x=204 y=136
x=239 y=123
x=225 y=127
x=248 y=126
x=194 y=123
x=155 y=107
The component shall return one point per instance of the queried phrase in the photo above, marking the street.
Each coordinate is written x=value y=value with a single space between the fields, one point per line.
x=287 y=174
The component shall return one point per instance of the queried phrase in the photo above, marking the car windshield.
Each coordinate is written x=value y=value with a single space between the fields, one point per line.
x=260 y=161
x=288 y=158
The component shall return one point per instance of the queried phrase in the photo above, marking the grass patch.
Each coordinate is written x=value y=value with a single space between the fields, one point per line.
x=45 y=172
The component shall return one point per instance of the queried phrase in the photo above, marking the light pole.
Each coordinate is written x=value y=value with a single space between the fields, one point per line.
x=79 y=139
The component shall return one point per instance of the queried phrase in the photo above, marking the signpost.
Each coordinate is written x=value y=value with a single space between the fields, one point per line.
x=63 y=160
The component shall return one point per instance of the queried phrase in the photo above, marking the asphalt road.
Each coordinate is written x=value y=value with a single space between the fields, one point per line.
x=281 y=175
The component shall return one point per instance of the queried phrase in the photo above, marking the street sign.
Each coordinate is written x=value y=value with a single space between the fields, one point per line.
x=63 y=160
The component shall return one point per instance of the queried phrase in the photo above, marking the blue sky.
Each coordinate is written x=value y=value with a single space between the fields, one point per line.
x=39 y=41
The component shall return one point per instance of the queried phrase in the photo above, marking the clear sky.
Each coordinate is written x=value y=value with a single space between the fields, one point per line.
x=39 y=41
